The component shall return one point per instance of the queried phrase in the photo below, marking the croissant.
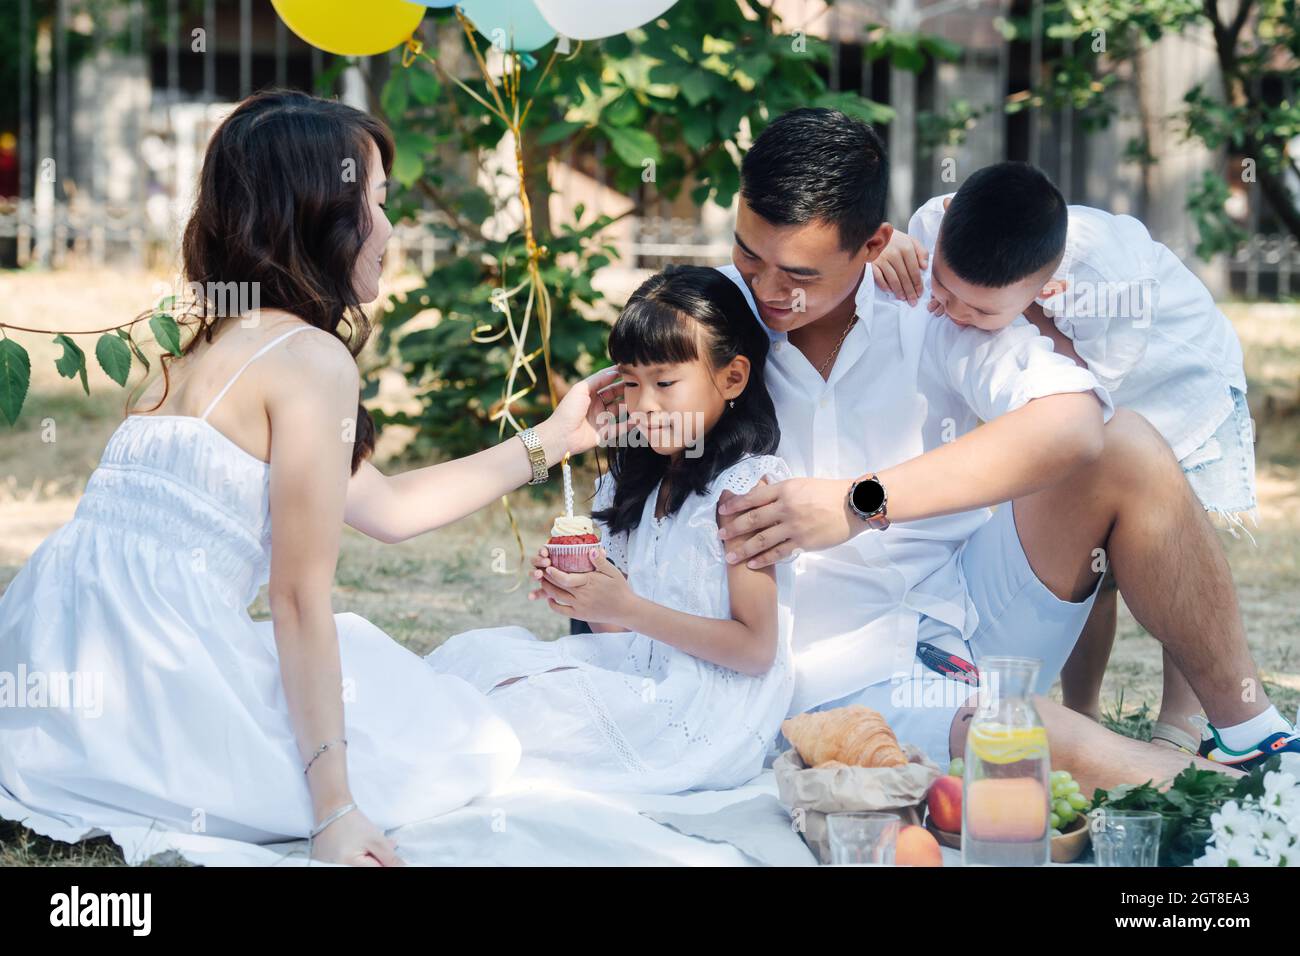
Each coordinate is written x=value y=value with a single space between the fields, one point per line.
x=855 y=735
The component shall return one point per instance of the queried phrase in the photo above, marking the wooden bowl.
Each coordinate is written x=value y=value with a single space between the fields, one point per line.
x=1069 y=846
x=1066 y=848
x=945 y=837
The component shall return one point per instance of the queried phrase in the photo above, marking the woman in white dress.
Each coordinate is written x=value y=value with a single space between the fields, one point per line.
x=243 y=471
x=686 y=681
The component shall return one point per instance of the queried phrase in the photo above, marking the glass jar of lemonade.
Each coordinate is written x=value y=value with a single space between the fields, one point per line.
x=1006 y=795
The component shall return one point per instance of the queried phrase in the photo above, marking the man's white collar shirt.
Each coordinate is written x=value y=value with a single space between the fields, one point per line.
x=904 y=382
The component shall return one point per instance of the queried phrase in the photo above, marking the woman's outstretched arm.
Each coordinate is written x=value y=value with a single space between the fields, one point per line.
x=393 y=508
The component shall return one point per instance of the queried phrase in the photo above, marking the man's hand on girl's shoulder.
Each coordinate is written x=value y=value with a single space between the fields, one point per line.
x=774 y=522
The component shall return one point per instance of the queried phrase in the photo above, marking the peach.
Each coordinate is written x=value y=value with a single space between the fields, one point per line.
x=1012 y=809
x=916 y=846
x=944 y=801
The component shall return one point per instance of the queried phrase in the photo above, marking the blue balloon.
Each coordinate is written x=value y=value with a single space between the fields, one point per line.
x=509 y=24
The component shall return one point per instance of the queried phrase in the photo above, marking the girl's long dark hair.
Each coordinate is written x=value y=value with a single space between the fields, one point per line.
x=276 y=207
x=667 y=321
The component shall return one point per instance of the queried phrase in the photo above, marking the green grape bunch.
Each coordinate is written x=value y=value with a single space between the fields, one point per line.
x=1067 y=801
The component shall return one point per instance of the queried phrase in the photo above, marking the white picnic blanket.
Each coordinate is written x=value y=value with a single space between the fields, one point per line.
x=522 y=825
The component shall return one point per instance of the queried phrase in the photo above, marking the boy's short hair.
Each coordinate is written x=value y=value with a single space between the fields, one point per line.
x=815 y=164
x=1006 y=223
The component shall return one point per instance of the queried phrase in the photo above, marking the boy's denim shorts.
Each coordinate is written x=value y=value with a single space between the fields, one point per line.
x=1222 y=471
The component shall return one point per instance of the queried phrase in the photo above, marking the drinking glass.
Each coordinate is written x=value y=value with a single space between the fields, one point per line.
x=862 y=838
x=1125 y=837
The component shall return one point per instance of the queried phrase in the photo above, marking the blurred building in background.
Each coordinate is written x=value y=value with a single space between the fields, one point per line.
x=102 y=134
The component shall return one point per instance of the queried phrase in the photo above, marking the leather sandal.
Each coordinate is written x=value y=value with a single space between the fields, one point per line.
x=1168 y=734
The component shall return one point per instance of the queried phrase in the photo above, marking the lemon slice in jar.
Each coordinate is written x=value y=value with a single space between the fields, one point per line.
x=1002 y=744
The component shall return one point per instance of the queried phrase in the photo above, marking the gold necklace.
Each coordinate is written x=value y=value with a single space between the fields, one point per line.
x=836 y=351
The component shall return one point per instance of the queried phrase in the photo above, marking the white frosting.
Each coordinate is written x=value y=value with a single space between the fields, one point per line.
x=567 y=525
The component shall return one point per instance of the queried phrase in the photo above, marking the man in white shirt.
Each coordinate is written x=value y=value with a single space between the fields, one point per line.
x=888 y=525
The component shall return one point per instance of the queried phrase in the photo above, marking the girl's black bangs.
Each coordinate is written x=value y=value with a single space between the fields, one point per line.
x=653 y=333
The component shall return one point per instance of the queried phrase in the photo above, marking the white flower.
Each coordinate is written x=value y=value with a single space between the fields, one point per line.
x=1262 y=831
x=1213 y=857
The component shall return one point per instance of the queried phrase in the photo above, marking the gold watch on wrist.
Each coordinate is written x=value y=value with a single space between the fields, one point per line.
x=536 y=455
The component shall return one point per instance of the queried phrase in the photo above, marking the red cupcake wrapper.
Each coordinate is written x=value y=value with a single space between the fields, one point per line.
x=572 y=557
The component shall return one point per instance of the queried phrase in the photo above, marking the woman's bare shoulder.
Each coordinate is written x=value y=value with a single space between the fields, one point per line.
x=314 y=350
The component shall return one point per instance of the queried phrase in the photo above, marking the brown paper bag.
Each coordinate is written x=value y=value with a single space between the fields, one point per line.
x=809 y=793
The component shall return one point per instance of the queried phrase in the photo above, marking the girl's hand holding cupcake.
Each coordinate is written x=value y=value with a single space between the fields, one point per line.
x=601 y=595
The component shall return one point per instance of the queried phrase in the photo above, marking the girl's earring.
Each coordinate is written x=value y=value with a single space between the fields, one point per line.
x=732 y=403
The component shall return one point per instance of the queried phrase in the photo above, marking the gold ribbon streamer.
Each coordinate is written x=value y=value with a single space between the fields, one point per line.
x=508 y=107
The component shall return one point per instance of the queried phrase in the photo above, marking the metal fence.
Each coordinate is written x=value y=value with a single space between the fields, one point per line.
x=109 y=146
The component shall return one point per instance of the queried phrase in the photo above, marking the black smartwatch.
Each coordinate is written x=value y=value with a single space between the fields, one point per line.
x=868 y=500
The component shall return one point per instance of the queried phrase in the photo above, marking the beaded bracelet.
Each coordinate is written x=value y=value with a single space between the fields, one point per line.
x=321 y=749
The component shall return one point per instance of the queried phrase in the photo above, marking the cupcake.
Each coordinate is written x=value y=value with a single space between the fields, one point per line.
x=573 y=538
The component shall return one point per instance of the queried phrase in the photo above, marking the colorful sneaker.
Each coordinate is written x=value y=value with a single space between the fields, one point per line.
x=1279 y=742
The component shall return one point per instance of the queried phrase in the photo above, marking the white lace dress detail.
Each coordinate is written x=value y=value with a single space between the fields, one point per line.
x=628 y=712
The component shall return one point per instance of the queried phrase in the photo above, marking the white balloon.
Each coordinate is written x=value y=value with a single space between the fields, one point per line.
x=594 y=19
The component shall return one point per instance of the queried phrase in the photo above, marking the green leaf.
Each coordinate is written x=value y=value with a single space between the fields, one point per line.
x=907 y=58
x=851 y=104
x=114 y=357
x=15 y=377
x=407 y=167
x=126 y=336
x=412 y=147
x=729 y=115
x=756 y=66
x=697 y=86
x=557 y=133
x=424 y=85
x=941 y=48
x=622 y=111
x=697 y=128
x=72 y=362
x=165 y=332
x=395 y=95
x=633 y=146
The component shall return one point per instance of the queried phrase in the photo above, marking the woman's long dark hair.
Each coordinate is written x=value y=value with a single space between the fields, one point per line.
x=279 y=204
x=667 y=321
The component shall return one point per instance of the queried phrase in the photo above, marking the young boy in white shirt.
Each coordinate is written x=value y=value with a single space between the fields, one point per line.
x=1122 y=305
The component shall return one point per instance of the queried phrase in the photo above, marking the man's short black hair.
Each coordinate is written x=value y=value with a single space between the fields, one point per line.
x=1006 y=223
x=818 y=165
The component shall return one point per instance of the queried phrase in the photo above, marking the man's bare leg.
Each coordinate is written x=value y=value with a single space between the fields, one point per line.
x=1081 y=677
x=1134 y=503
x=1096 y=757
x=1082 y=674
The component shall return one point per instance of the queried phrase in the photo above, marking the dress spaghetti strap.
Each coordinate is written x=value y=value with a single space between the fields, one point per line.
x=256 y=355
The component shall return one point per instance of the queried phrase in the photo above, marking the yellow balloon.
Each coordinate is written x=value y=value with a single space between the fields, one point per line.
x=350 y=27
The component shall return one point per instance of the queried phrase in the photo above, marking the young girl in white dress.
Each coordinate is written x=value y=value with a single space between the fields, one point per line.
x=687 y=676
x=136 y=692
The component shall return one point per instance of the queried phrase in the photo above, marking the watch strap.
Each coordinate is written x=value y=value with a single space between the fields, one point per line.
x=879 y=519
x=536 y=456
